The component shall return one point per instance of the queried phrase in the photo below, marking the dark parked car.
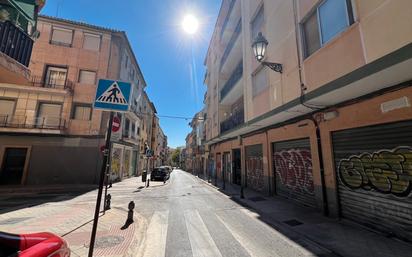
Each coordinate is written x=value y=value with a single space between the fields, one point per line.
x=159 y=173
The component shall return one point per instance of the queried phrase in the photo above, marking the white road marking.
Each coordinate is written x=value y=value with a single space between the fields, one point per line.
x=200 y=239
x=248 y=243
x=156 y=235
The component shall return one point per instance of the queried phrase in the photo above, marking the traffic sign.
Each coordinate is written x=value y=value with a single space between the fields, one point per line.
x=113 y=95
x=116 y=124
x=116 y=129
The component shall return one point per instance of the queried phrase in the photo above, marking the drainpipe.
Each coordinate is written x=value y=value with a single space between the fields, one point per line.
x=315 y=122
x=321 y=169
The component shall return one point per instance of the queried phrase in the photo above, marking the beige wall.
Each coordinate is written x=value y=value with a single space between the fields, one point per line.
x=380 y=28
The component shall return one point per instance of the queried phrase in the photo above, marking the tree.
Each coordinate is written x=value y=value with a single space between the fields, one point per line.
x=176 y=157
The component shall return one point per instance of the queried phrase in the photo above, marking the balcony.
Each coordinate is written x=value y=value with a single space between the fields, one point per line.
x=15 y=43
x=232 y=82
x=237 y=119
x=233 y=43
x=55 y=84
x=26 y=122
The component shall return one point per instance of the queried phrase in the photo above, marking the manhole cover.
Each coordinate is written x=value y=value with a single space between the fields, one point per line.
x=257 y=199
x=293 y=223
x=108 y=241
x=13 y=220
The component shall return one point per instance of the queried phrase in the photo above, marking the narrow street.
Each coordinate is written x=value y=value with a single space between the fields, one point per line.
x=188 y=218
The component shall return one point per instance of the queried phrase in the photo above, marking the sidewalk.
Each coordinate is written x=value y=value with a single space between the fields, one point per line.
x=73 y=219
x=342 y=237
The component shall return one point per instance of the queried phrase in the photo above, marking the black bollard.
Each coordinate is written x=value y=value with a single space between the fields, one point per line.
x=108 y=202
x=130 y=213
x=241 y=193
x=148 y=183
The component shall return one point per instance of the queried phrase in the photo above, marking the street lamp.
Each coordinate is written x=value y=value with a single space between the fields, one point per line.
x=259 y=47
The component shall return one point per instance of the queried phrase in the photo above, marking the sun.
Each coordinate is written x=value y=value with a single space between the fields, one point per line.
x=190 y=24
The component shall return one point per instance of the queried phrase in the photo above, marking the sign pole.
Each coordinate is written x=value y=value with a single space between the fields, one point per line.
x=101 y=182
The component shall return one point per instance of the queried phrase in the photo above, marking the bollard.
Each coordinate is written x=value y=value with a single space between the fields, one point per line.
x=241 y=193
x=130 y=213
x=110 y=184
x=108 y=202
x=148 y=183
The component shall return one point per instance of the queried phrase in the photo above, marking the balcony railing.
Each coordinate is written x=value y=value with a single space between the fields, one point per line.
x=56 y=84
x=15 y=43
x=231 y=43
x=47 y=122
x=229 y=12
x=233 y=121
x=234 y=78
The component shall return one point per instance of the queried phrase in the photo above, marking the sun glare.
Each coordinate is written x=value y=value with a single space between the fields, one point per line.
x=190 y=24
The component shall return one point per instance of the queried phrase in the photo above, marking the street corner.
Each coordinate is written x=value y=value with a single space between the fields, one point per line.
x=113 y=237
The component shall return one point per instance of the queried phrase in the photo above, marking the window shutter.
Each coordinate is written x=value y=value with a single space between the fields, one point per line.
x=260 y=82
x=62 y=36
x=91 y=42
x=87 y=77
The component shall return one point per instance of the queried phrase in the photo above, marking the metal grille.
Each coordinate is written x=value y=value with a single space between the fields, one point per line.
x=15 y=43
x=374 y=173
x=292 y=161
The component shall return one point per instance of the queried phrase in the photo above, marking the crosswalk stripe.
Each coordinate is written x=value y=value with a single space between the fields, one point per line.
x=243 y=238
x=156 y=235
x=201 y=241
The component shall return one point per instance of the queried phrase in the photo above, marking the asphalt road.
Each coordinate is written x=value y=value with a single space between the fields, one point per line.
x=186 y=217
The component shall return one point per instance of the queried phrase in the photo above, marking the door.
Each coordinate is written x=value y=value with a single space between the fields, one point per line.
x=237 y=168
x=218 y=166
x=226 y=166
x=374 y=176
x=12 y=169
x=292 y=162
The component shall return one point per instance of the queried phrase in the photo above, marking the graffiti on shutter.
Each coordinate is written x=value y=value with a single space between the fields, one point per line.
x=386 y=171
x=254 y=167
x=374 y=174
x=293 y=167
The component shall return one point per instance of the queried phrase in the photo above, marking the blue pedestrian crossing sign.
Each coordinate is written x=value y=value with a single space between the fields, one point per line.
x=113 y=95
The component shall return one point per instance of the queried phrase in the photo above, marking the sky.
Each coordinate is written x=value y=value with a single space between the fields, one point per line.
x=171 y=60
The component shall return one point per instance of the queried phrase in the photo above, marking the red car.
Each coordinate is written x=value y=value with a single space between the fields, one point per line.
x=33 y=245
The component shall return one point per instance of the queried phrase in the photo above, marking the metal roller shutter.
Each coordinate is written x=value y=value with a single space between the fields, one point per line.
x=374 y=173
x=254 y=167
x=293 y=168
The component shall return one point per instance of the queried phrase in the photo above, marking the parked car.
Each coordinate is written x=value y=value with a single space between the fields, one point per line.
x=159 y=173
x=29 y=245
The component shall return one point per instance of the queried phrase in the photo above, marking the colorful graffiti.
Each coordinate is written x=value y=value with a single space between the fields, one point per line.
x=294 y=169
x=385 y=171
x=116 y=163
x=254 y=169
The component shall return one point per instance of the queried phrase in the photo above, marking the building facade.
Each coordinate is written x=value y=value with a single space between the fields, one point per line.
x=332 y=131
x=52 y=129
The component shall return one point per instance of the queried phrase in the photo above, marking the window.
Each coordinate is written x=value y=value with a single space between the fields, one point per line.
x=126 y=127
x=260 y=82
x=329 y=19
x=49 y=115
x=6 y=110
x=91 y=42
x=82 y=112
x=87 y=77
x=257 y=23
x=61 y=36
x=55 y=76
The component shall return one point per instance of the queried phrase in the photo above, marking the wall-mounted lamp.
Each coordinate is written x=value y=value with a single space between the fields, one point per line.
x=259 y=49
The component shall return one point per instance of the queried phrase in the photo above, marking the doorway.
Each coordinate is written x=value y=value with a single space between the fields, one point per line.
x=237 y=167
x=12 y=169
